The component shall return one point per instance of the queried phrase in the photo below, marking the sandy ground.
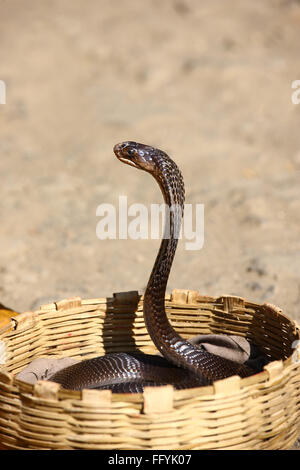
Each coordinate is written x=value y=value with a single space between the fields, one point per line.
x=209 y=82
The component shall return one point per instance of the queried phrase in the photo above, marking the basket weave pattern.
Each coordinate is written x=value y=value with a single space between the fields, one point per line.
x=259 y=412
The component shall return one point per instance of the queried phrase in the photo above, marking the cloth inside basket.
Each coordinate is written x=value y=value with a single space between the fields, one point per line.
x=235 y=348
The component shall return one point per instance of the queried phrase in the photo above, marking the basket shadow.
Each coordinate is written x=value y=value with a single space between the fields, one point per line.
x=121 y=323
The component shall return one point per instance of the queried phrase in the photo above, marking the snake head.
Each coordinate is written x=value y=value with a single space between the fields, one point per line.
x=140 y=156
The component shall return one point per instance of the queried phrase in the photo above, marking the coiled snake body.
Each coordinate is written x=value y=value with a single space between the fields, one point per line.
x=182 y=364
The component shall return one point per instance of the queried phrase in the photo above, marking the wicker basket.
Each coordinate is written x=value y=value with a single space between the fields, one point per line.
x=259 y=412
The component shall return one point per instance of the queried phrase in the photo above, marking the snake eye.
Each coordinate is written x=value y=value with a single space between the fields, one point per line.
x=130 y=152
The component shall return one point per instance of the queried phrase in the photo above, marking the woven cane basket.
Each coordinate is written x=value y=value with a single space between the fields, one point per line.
x=259 y=412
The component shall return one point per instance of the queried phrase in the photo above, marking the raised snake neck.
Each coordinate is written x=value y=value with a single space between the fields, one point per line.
x=130 y=372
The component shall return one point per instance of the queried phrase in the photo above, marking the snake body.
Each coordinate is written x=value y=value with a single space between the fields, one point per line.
x=183 y=364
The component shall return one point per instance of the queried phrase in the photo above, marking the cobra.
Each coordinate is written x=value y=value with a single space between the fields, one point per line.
x=182 y=364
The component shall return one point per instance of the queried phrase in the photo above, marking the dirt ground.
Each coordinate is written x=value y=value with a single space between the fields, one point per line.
x=209 y=82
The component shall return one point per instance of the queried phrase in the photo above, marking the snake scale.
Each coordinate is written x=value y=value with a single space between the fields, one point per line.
x=182 y=365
